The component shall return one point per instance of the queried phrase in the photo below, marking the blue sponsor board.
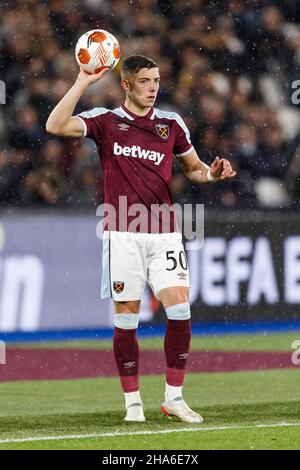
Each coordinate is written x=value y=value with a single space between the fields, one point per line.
x=248 y=270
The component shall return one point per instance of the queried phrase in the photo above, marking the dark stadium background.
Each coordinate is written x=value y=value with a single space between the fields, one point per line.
x=228 y=67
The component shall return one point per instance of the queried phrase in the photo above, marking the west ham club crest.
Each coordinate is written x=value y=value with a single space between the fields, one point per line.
x=162 y=130
x=118 y=286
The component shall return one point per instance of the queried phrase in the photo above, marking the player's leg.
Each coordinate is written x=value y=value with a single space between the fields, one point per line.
x=126 y=279
x=169 y=279
x=126 y=353
x=177 y=338
x=177 y=344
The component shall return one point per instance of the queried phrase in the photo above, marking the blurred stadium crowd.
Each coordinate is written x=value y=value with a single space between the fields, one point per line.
x=226 y=66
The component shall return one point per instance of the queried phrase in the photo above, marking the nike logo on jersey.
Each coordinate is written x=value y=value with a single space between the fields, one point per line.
x=137 y=152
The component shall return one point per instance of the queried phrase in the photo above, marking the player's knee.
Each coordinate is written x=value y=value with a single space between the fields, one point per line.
x=126 y=321
x=131 y=306
x=174 y=295
x=179 y=311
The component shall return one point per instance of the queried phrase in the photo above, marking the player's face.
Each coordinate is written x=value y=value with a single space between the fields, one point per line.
x=142 y=87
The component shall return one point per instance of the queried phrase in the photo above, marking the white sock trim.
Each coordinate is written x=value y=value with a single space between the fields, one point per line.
x=132 y=398
x=179 y=312
x=172 y=392
x=126 y=321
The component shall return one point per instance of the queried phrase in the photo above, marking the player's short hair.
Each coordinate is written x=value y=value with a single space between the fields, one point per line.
x=134 y=63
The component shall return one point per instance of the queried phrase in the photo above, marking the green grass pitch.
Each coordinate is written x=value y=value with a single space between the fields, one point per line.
x=242 y=410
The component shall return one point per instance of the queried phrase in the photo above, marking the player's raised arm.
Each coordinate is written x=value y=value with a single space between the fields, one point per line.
x=61 y=122
x=198 y=172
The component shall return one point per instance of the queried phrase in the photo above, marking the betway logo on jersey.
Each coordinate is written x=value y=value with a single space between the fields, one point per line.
x=137 y=152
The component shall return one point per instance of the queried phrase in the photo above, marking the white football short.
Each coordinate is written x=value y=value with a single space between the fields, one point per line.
x=130 y=259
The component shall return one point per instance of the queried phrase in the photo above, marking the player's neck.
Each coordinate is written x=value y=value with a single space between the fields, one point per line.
x=135 y=109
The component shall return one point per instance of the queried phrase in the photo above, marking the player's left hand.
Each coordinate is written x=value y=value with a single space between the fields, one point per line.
x=221 y=169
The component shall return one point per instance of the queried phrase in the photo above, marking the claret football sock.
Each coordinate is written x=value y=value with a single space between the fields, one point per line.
x=126 y=353
x=177 y=344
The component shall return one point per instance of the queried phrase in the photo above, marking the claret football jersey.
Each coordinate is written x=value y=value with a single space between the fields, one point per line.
x=136 y=154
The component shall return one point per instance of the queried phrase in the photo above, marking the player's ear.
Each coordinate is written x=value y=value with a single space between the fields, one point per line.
x=125 y=84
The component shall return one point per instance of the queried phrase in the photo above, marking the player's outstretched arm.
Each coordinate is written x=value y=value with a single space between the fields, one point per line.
x=198 y=172
x=61 y=122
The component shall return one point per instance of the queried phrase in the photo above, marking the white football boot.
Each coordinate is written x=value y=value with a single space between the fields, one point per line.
x=135 y=413
x=178 y=409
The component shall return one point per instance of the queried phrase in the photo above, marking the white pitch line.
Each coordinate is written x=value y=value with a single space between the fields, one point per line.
x=142 y=433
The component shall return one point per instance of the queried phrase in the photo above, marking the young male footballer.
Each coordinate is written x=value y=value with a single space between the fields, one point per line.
x=136 y=143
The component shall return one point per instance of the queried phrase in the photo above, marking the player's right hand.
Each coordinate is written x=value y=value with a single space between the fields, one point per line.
x=88 y=79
